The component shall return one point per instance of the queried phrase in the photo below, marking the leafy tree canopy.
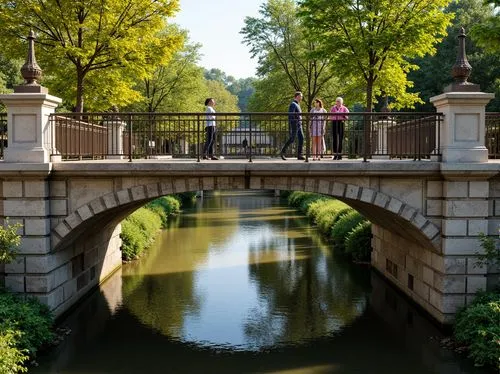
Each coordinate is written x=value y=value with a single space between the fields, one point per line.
x=372 y=41
x=85 y=43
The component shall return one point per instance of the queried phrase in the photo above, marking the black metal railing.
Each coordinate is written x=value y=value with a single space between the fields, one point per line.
x=492 y=138
x=239 y=135
x=3 y=133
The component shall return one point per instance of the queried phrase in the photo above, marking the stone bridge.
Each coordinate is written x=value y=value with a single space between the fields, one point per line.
x=427 y=215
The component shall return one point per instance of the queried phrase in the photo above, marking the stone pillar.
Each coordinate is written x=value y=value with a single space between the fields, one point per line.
x=382 y=150
x=115 y=138
x=30 y=137
x=463 y=128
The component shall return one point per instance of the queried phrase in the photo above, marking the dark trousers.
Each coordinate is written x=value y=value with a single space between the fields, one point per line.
x=208 y=149
x=338 y=136
x=295 y=131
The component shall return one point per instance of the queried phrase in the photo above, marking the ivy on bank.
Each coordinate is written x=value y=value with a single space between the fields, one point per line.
x=139 y=229
x=350 y=231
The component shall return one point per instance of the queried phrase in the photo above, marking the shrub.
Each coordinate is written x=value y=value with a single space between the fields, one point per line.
x=296 y=198
x=325 y=213
x=9 y=241
x=11 y=357
x=138 y=231
x=165 y=207
x=358 y=242
x=32 y=318
x=343 y=226
x=478 y=327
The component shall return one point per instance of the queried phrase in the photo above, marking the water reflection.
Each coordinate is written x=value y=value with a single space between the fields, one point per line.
x=242 y=274
x=241 y=284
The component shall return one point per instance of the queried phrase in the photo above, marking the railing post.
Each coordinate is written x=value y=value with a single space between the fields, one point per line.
x=130 y=138
x=307 y=137
x=198 y=145
x=250 y=143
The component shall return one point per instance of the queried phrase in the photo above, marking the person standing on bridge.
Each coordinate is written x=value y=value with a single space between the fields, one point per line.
x=338 y=127
x=317 y=128
x=294 y=126
x=210 y=130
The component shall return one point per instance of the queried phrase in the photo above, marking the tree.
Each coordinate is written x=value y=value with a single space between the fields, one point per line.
x=177 y=86
x=487 y=33
x=279 y=40
x=242 y=88
x=435 y=71
x=372 y=41
x=83 y=41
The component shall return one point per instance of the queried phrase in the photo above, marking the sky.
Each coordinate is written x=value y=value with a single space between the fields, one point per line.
x=216 y=25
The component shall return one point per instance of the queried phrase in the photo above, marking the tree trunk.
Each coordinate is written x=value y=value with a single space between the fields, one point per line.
x=79 y=91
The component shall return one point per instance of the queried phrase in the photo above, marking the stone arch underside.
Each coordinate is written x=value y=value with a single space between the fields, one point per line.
x=380 y=208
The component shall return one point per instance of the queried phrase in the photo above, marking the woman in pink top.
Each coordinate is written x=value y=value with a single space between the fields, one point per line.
x=317 y=128
x=338 y=127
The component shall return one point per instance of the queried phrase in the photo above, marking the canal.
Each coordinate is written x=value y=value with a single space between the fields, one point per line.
x=241 y=283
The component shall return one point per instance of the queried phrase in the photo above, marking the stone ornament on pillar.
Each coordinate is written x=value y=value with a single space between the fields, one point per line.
x=462 y=132
x=30 y=136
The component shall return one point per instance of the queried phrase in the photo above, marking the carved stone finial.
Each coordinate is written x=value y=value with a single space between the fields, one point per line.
x=461 y=69
x=30 y=71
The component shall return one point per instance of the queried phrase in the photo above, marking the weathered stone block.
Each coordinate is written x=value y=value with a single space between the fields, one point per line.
x=352 y=192
x=324 y=187
x=454 y=227
x=16 y=266
x=465 y=208
x=40 y=283
x=59 y=207
x=408 y=212
x=367 y=195
x=381 y=199
x=36 y=245
x=58 y=189
x=12 y=189
x=434 y=207
x=477 y=226
x=479 y=189
x=431 y=231
x=474 y=268
x=62 y=274
x=428 y=275
x=461 y=246
x=37 y=226
x=166 y=188
x=455 y=189
x=123 y=197
x=153 y=190
x=26 y=208
x=97 y=206
x=394 y=205
x=14 y=283
x=36 y=188
x=449 y=283
x=73 y=220
x=85 y=213
x=475 y=284
x=452 y=303
x=434 y=189
x=110 y=200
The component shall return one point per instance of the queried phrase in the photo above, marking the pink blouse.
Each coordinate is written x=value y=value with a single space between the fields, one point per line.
x=337 y=109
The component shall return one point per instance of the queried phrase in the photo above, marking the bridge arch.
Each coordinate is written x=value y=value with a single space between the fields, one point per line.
x=380 y=208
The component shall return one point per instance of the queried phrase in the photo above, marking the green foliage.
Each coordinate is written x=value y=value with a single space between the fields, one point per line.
x=326 y=214
x=287 y=58
x=296 y=198
x=344 y=226
x=9 y=241
x=139 y=229
x=11 y=357
x=138 y=232
x=98 y=47
x=358 y=242
x=478 y=327
x=371 y=43
x=487 y=33
x=491 y=248
x=434 y=73
x=32 y=318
